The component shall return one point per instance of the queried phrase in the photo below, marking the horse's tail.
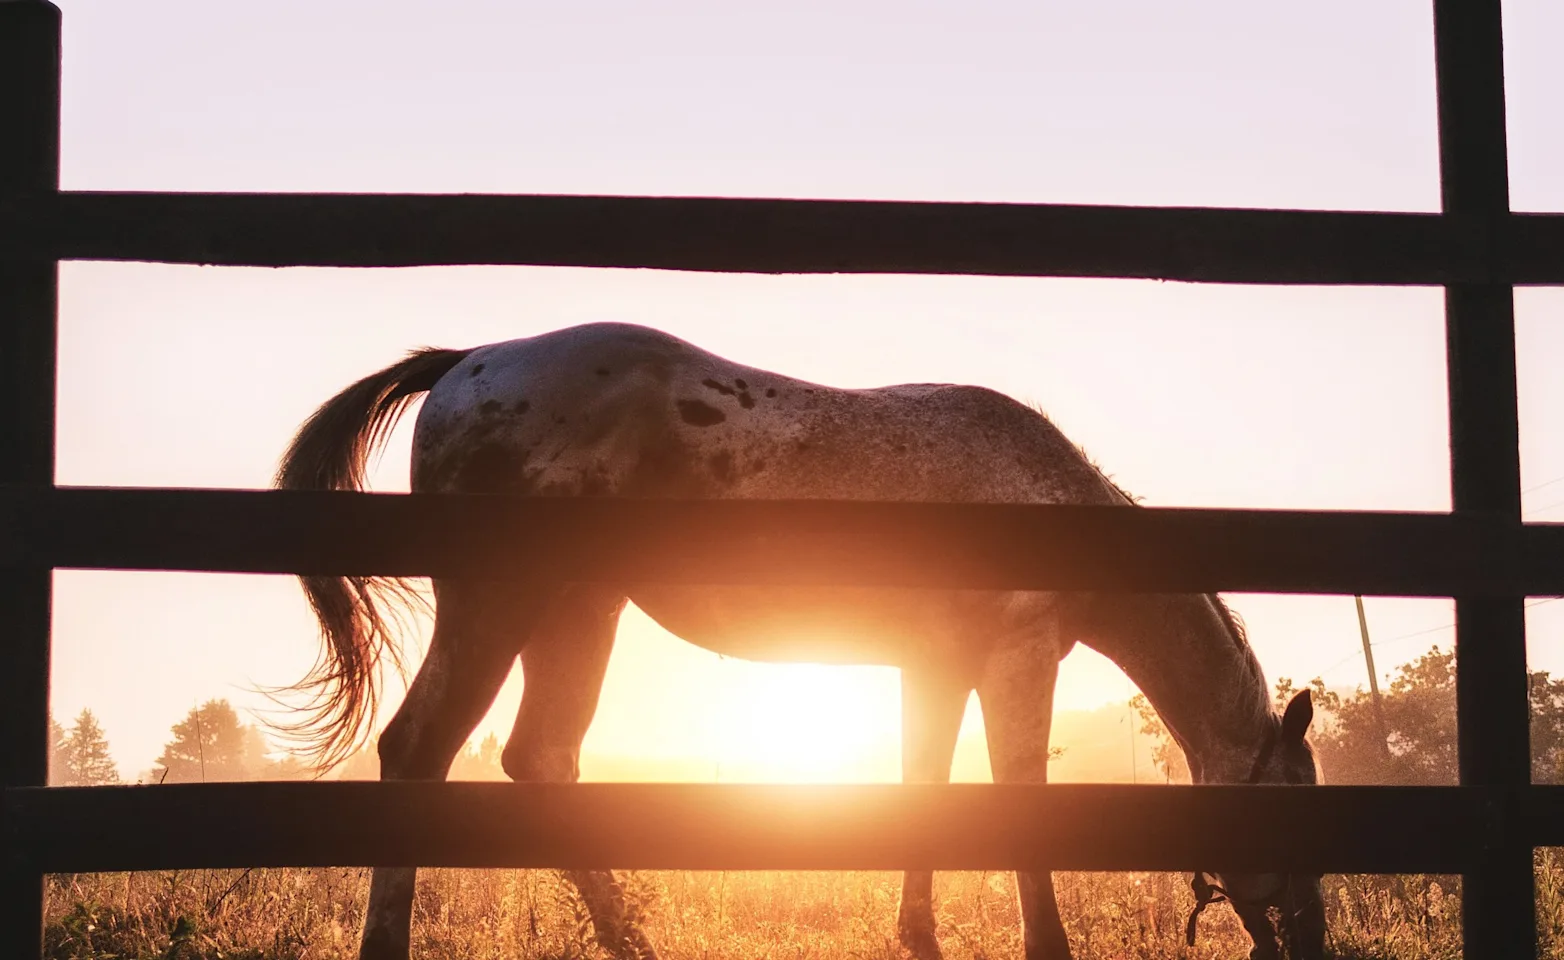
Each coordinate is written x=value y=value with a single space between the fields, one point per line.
x=331 y=452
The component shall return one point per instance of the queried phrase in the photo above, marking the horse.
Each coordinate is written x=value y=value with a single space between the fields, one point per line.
x=609 y=409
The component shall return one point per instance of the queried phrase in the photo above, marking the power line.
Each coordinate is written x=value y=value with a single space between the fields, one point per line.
x=1545 y=483
x=1421 y=633
x=1545 y=509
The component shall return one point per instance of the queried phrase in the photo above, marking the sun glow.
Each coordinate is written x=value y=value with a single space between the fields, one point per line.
x=672 y=711
x=748 y=722
x=808 y=723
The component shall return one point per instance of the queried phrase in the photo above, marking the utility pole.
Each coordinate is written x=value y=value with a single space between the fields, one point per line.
x=1368 y=658
x=201 y=737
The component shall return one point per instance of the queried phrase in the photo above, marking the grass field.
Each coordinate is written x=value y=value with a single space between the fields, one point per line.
x=534 y=915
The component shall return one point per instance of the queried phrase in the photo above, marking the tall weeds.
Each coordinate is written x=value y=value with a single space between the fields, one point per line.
x=315 y=914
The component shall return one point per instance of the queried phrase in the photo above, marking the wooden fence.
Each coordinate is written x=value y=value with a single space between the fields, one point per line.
x=1481 y=554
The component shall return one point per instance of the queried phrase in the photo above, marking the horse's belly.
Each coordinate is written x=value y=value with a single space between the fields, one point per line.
x=791 y=624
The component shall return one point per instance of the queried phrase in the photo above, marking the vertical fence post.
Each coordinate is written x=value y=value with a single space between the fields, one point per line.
x=29 y=166
x=1498 y=898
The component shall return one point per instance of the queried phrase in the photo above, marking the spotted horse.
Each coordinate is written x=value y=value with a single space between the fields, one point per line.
x=619 y=410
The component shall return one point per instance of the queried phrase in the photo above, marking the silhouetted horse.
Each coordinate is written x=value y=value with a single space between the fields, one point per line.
x=619 y=410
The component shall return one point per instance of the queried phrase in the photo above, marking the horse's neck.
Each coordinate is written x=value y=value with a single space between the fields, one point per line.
x=1192 y=664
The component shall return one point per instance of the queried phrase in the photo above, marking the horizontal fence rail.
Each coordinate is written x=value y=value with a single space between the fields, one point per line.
x=990 y=546
x=779 y=236
x=737 y=827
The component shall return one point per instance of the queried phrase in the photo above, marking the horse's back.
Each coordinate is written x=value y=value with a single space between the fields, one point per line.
x=616 y=409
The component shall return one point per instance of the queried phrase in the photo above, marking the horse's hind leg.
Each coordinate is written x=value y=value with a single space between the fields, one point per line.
x=478 y=629
x=932 y=705
x=563 y=666
x=1017 y=694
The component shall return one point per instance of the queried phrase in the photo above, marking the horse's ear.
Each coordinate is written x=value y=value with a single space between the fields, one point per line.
x=1296 y=719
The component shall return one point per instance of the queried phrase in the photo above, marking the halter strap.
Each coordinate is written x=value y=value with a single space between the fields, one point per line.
x=1206 y=892
x=1267 y=748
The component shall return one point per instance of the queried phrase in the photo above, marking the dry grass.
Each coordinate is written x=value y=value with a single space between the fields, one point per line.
x=314 y=914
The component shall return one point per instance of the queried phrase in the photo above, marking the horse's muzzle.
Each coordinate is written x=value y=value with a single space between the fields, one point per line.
x=1288 y=922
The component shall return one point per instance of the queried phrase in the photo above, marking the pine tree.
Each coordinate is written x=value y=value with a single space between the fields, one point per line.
x=211 y=744
x=489 y=754
x=84 y=755
x=56 y=746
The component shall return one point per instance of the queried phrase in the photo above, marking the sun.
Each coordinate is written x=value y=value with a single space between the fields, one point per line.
x=805 y=723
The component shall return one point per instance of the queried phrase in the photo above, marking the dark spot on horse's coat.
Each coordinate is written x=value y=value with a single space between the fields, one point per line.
x=559 y=419
x=771 y=392
x=602 y=371
x=431 y=476
x=741 y=384
x=489 y=407
x=721 y=464
x=489 y=468
x=476 y=370
x=483 y=429
x=746 y=401
x=522 y=406
x=697 y=413
x=721 y=388
x=901 y=448
x=666 y=462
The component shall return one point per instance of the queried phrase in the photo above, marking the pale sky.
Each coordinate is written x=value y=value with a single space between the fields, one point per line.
x=1188 y=395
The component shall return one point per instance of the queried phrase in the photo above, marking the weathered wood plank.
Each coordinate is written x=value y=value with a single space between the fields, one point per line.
x=1532 y=250
x=755 y=235
x=29 y=168
x=732 y=827
x=1497 y=897
x=670 y=541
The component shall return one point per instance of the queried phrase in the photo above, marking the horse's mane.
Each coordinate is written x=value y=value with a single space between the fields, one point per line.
x=1234 y=623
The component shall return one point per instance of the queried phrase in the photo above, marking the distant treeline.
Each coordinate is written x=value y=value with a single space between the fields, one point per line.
x=1410 y=740
x=211 y=744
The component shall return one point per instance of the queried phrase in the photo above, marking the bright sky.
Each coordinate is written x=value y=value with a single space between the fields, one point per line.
x=1189 y=395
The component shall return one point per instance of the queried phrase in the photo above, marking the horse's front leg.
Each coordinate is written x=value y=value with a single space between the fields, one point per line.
x=1017 y=695
x=563 y=667
x=477 y=631
x=933 y=702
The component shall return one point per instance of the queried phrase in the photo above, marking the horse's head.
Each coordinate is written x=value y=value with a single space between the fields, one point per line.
x=1284 y=756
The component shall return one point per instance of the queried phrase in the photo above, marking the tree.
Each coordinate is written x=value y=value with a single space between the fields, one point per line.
x=1419 y=714
x=211 y=744
x=1420 y=727
x=56 y=745
x=1547 y=728
x=362 y=764
x=287 y=768
x=84 y=755
x=1167 y=755
x=480 y=763
x=1419 y=746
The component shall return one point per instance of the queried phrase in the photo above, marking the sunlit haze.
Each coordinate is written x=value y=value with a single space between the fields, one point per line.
x=1186 y=395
